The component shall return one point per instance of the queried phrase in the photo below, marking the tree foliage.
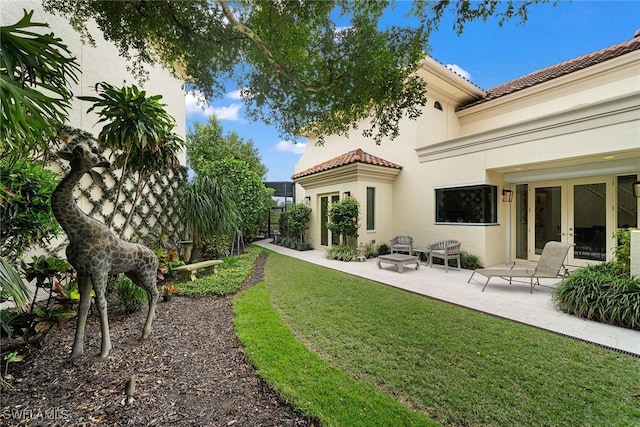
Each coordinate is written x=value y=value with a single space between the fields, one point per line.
x=316 y=66
x=35 y=74
x=207 y=143
x=343 y=218
x=26 y=218
x=251 y=197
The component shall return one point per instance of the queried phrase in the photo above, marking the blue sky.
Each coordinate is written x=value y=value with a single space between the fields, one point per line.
x=486 y=54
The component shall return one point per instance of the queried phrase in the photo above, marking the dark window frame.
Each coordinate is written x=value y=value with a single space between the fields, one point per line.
x=467 y=204
x=371 y=208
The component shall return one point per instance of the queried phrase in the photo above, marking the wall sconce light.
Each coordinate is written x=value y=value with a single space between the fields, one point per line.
x=507 y=196
x=346 y=194
x=636 y=189
x=307 y=200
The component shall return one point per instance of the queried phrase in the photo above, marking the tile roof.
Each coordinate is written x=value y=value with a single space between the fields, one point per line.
x=558 y=70
x=354 y=156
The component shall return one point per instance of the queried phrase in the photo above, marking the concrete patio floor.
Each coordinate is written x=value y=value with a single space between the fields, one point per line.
x=500 y=299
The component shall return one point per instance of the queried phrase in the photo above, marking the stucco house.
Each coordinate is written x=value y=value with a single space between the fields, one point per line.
x=548 y=156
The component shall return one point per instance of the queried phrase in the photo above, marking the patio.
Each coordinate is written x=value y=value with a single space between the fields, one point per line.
x=511 y=302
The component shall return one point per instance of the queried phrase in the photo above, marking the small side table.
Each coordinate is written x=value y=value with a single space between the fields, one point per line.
x=361 y=256
x=425 y=251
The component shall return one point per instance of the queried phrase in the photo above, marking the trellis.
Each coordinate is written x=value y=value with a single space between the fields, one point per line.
x=155 y=213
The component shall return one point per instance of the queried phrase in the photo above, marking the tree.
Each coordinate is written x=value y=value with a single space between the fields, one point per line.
x=343 y=218
x=207 y=143
x=298 y=68
x=252 y=199
x=139 y=130
x=298 y=216
x=35 y=75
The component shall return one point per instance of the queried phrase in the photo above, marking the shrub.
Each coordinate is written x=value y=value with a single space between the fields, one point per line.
x=132 y=297
x=370 y=251
x=468 y=261
x=603 y=292
x=623 y=250
x=384 y=249
x=25 y=207
x=343 y=218
x=342 y=253
x=297 y=218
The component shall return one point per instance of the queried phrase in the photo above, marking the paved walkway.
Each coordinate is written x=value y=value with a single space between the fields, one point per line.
x=511 y=302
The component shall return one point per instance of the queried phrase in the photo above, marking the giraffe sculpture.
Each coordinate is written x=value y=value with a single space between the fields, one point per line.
x=95 y=251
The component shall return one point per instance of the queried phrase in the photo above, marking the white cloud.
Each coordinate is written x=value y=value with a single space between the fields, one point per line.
x=290 y=147
x=459 y=70
x=229 y=112
x=196 y=105
x=236 y=95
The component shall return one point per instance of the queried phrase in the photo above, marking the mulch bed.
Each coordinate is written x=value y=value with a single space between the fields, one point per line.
x=191 y=371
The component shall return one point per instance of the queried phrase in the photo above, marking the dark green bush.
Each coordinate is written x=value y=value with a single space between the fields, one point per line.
x=384 y=249
x=132 y=297
x=604 y=293
x=468 y=261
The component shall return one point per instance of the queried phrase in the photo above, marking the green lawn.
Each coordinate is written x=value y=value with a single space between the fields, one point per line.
x=453 y=365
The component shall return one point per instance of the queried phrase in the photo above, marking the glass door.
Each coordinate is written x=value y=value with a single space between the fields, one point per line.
x=588 y=220
x=573 y=211
x=548 y=205
x=325 y=234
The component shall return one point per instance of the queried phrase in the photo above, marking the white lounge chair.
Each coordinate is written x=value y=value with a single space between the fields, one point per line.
x=550 y=266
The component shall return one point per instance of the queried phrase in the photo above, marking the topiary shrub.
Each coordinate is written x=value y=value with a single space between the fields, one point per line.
x=604 y=293
x=132 y=297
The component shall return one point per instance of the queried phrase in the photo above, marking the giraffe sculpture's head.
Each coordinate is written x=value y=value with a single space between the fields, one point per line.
x=83 y=160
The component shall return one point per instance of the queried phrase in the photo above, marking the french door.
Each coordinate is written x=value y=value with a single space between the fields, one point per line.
x=326 y=236
x=572 y=211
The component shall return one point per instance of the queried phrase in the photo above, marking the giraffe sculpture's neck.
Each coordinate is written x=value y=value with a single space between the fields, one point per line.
x=71 y=218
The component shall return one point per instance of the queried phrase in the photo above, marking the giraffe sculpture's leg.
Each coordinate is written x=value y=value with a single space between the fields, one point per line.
x=84 y=287
x=152 y=295
x=147 y=281
x=100 y=286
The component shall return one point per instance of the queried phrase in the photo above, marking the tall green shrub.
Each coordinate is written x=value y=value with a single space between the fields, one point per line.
x=623 y=248
x=343 y=218
x=297 y=219
x=26 y=217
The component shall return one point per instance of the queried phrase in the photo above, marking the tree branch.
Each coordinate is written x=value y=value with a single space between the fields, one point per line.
x=262 y=46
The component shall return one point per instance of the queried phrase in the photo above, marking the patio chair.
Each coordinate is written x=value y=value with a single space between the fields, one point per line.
x=446 y=250
x=401 y=244
x=550 y=266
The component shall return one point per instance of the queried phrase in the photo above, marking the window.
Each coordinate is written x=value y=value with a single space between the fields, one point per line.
x=474 y=204
x=371 y=203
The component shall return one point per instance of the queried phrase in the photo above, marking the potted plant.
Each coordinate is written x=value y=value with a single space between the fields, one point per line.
x=167 y=291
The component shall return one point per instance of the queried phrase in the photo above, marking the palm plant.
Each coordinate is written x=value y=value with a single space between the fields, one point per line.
x=137 y=128
x=207 y=207
x=35 y=72
x=12 y=285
